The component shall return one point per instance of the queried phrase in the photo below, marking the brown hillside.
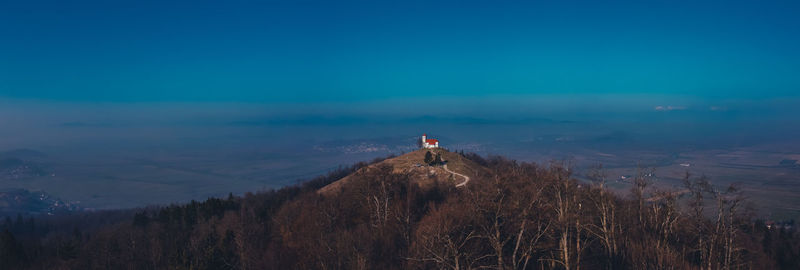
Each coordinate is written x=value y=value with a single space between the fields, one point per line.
x=413 y=164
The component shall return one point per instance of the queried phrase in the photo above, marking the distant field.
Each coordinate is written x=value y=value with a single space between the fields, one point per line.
x=772 y=187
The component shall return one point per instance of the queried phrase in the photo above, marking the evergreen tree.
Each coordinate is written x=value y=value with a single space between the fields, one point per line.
x=428 y=158
x=11 y=253
x=438 y=160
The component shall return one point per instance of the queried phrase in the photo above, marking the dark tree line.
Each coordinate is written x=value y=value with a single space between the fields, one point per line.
x=518 y=216
x=433 y=159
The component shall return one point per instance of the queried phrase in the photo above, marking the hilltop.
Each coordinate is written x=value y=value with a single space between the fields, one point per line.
x=413 y=165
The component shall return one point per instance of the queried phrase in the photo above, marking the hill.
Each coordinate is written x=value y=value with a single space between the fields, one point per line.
x=14 y=168
x=393 y=214
x=22 y=201
x=423 y=175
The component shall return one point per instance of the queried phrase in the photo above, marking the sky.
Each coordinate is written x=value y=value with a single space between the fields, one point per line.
x=304 y=52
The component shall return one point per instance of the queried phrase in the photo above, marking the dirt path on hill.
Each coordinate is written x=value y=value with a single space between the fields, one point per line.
x=466 y=178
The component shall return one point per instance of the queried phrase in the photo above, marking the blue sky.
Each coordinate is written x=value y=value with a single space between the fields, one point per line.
x=335 y=51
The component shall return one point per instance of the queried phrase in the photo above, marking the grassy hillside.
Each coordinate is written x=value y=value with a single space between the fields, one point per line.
x=421 y=174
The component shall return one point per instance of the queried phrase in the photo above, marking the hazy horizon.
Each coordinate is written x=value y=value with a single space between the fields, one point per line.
x=130 y=154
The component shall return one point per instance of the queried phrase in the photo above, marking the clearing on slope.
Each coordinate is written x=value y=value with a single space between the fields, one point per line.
x=413 y=165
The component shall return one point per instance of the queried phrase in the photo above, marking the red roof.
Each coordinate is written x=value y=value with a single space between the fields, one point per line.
x=431 y=141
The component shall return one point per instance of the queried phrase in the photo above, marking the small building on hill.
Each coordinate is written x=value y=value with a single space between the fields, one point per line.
x=429 y=143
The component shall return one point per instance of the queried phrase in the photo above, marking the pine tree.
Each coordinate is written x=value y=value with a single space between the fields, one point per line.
x=428 y=158
x=438 y=160
x=12 y=254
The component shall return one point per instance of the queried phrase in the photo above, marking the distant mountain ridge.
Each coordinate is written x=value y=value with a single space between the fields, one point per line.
x=22 y=153
x=22 y=201
x=13 y=168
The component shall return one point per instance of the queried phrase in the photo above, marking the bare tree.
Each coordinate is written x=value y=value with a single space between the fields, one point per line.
x=444 y=238
x=728 y=206
x=641 y=181
x=698 y=188
x=566 y=207
x=662 y=220
x=609 y=228
x=493 y=210
x=531 y=230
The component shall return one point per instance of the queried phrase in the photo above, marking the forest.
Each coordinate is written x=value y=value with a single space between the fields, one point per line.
x=517 y=215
